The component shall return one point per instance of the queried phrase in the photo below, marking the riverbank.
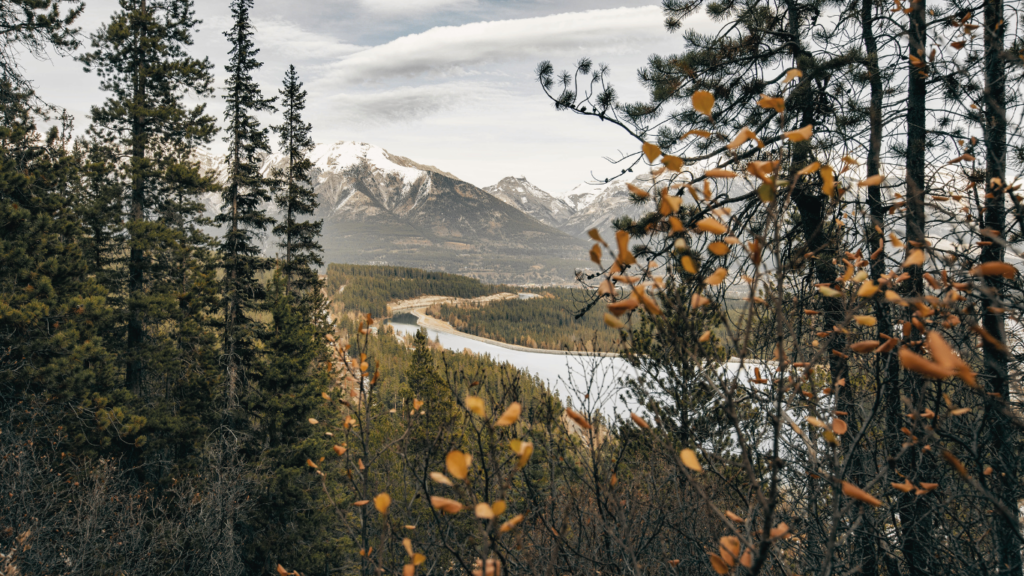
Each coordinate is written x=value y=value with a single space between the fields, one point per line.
x=418 y=308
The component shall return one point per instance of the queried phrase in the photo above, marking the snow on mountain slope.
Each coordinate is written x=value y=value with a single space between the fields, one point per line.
x=519 y=192
x=598 y=205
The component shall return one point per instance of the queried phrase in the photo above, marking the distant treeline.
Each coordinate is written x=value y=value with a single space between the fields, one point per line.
x=370 y=288
x=546 y=322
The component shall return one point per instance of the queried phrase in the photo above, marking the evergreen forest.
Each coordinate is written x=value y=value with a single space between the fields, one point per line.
x=816 y=364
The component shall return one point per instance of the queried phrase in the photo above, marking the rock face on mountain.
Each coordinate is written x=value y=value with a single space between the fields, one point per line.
x=599 y=205
x=528 y=198
x=380 y=208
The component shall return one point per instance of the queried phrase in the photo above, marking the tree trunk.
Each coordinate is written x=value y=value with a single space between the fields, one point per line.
x=996 y=375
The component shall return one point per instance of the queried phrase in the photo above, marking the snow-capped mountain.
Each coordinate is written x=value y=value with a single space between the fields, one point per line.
x=519 y=192
x=598 y=205
x=379 y=207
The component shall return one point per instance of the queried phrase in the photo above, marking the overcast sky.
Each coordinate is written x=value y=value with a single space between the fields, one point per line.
x=443 y=82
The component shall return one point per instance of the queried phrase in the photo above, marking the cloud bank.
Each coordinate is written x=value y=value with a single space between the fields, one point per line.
x=448 y=49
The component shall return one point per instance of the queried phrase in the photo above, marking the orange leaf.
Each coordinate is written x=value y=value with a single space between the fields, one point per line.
x=800 y=135
x=717 y=277
x=483 y=511
x=446 y=505
x=382 y=502
x=440 y=478
x=638 y=192
x=673 y=163
x=858 y=494
x=651 y=151
x=871 y=181
x=701 y=133
x=917 y=363
x=578 y=418
x=689 y=458
x=512 y=523
x=839 y=426
x=703 y=101
x=711 y=225
x=457 y=464
x=718 y=564
x=720 y=173
x=994 y=269
x=742 y=136
x=777 y=104
x=625 y=256
x=864 y=346
x=639 y=421
x=809 y=169
x=511 y=415
x=791 y=75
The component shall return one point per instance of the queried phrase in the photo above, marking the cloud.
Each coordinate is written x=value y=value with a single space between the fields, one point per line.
x=409 y=103
x=395 y=7
x=448 y=48
x=283 y=38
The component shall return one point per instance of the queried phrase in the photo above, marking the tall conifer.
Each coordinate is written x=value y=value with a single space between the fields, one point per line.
x=298 y=237
x=245 y=192
x=141 y=57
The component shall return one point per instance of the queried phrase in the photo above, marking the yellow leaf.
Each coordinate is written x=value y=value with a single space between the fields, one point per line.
x=729 y=548
x=959 y=411
x=408 y=570
x=717 y=277
x=483 y=511
x=651 y=151
x=800 y=135
x=313 y=421
x=446 y=505
x=311 y=464
x=499 y=507
x=673 y=163
x=382 y=502
x=638 y=192
x=779 y=531
x=705 y=336
x=701 y=133
x=829 y=292
x=815 y=422
x=720 y=173
x=523 y=450
x=734 y=517
x=475 y=404
x=871 y=181
x=418 y=559
x=703 y=101
x=866 y=320
x=791 y=75
x=417 y=404
x=711 y=225
x=457 y=464
x=777 y=104
x=858 y=494
x=689 y=458
x=512 y=523
x=595 y=254
x=688 y=264
x=360 y=502
x=511 y=415
x=595 y=236
x=340 y=450
x=669 y=204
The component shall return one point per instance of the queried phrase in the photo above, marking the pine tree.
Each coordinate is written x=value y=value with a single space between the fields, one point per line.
x=50 y=307
x=435 y=431
x=142 y=60
x=292 y=515
x=245 y=192
x=296 y=199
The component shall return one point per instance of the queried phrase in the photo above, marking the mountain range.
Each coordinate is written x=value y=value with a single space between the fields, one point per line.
x=381 y=208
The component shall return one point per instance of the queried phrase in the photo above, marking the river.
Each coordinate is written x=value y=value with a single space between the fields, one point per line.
x=571 y=377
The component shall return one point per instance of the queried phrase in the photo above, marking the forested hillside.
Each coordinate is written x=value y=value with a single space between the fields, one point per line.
x=370 y=288
x=547 y=321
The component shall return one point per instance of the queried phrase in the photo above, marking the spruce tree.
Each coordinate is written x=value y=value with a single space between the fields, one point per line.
x=243 y=216
x=150 y=134
x=434 y=432
x=296 y=198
